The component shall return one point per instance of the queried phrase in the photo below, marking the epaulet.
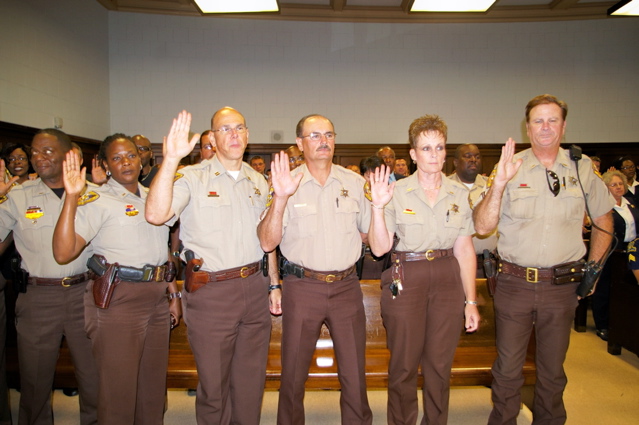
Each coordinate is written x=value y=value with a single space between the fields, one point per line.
x=177 y=177
x=3 y=199
x=269 y=198
x=87 y=198
x=367 y=191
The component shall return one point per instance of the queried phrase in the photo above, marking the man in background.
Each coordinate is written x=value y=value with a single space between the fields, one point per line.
x=401 y=167
x=387 y=155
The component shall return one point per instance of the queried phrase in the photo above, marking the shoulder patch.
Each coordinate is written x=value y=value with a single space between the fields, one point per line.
x=3 y=199
x=87 y=198
x=177 y=177
x=489 y=183
x=269 y=198
x=597 y=173
x=367 y=191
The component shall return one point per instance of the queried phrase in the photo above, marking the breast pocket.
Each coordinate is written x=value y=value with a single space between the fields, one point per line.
x=410 y=228
x=303 y=220
x=572 y=204
x=522 y=203
x=132 y=227
x=213 y=209
x=346 y=216
x=36 y=226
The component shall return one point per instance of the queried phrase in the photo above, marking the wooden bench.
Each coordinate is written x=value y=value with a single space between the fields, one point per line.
x=471 y=367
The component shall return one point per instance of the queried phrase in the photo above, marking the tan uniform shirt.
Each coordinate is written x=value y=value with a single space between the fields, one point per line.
x=475 y=195
x=31 y=211
x=421 y=227
x=114 y=224
x=219 y=215
x=322 y=224
x=537 y=229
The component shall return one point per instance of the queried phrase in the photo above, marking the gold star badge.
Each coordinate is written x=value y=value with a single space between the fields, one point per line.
x=344 y=193
x=454 y=208
x=257 y=191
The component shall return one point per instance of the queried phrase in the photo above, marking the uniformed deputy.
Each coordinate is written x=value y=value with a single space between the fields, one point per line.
x=52 y=305
x=317 y=213
x=432 y=272
x=537 y=201
x=130 y=337
x=467 y=162
x=229 y=325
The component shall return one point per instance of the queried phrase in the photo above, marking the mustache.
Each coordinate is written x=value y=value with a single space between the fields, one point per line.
x=323 y=146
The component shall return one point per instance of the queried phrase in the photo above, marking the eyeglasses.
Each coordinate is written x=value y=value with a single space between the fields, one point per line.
x=144 y=149
x=240 y=129
x=208 y=147
x=615 y=185
x=628 y=167
x=317 y=136
x=554 y=186
x=14 y=159
x=296 y=158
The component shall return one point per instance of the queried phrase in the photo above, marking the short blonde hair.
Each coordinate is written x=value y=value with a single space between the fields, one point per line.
x=608 y=175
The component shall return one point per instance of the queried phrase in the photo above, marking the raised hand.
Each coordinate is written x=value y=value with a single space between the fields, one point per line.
x=506 y=168
x=283 y=183
x=5 y=186
x=381 y=191
x=74 y=178
x=98 y=175
x=176 y=144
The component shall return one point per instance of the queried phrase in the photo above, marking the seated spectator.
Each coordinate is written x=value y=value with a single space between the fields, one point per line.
x=401 y=167
x=16 y=158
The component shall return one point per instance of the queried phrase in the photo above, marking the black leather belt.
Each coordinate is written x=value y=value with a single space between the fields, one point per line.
x=148 y=273
x=65 y=281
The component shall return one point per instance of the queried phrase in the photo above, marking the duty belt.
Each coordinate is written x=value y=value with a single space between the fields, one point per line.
x=65 y=281
x=296 y=270
x=531 y=274
x=148 y=273
x=237 y=272
x=429 y=255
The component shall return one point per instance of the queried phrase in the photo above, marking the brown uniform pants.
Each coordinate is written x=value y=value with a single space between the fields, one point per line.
x=423 y=325
x=44 y=314
x=131 y=347
x=229 y=328
x=520 y=306
x=306 y=305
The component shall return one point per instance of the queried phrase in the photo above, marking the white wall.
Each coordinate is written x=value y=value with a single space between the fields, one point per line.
x=372 y=80
x=54 y=62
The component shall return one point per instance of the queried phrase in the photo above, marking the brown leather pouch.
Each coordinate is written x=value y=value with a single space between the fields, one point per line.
x=194 y=279
x=571 y=272
x=171 y=271
x=104 y=286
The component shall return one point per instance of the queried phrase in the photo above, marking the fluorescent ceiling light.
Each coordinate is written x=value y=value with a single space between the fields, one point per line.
x=237 y=6
x=625 y=8
x=451 y=5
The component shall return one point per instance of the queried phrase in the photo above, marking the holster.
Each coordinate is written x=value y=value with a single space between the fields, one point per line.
x=571 y=272
x=171 y=271
x=490 y=271
x=194 y=279
x=20 y=275
x=103 y=286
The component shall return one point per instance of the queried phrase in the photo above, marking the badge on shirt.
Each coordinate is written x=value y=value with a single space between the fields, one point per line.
x=213 y=195
x=257 y=192
x=344 y=193
x=34 y=213
x=87 y=198
x=454 y=208
x=573 y=180
x=408 y=211
x=131 y=211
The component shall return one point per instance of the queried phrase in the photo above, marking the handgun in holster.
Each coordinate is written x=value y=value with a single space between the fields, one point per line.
x=20 y=275
x=490 y=271
x=193 y=278
x=106 y=280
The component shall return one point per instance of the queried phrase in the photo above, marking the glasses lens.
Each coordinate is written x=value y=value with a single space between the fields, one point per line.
x=144 y=149
x=554 y=185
